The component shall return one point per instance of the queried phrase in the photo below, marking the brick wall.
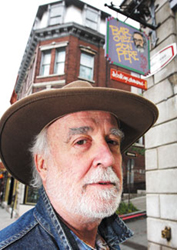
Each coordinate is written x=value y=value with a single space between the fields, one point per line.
x=72 y=64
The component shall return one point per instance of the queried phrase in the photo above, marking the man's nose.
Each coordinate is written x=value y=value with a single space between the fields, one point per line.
x=103 y=155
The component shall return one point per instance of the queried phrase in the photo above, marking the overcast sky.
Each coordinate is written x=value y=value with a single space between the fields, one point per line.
x=16 y=20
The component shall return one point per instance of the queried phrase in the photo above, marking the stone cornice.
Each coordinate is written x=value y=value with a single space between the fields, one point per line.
x=72 y=28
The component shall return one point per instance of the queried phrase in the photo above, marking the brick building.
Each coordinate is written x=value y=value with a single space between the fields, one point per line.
x=66 y=43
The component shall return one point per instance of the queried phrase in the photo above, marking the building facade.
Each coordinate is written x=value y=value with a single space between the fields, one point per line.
x=161 y=140
x=66 y=43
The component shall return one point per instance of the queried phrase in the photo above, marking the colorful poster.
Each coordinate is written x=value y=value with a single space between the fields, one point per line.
x=127 y=47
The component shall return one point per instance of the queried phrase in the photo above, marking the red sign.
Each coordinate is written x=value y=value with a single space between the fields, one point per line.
x=128 y=79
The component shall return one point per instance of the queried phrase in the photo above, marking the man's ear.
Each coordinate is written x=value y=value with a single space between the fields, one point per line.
x=41 y=166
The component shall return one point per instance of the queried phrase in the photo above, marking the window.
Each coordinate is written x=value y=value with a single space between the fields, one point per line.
x=86 y=66
x=45 y=63
x=52 y=59
x=31 y=195
x=130 y=171
x=92 y=18
x=59 y=61
x=56 y=14
x=140 y=140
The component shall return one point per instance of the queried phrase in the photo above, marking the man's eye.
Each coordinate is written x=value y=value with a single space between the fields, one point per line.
x=81 y=142
x=113 y=142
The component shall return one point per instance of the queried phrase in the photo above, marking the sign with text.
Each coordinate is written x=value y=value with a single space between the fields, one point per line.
x=162 y=58
x=128 y=79
x=127 y=47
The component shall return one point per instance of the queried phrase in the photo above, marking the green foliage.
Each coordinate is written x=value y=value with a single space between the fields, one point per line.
x=140 y=151
x=125 y=208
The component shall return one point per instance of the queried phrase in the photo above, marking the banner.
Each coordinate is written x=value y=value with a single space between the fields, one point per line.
x=127 y=47
x=128 y=79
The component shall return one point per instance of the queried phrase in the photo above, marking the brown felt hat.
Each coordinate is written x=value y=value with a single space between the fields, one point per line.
x=28 y=116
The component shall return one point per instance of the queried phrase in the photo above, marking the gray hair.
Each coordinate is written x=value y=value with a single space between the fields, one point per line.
x=39 y=146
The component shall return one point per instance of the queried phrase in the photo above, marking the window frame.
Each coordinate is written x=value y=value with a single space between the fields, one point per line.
x=88 y=20
x=56 y=63
x=44 y=53
x=50 y=47
x=82 y=65
x=55 y=19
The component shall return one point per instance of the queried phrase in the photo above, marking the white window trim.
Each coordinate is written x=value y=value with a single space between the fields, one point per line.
x=53 y=45
x=58 y=51
x=42 y=60
x=62 y=4
x=87 y=50
x=48 y=85
x=52 y=75
x=86 y=7
x=85 y=79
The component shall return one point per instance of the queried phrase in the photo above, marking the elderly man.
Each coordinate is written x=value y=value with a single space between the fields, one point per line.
x=80 y=133
x=139 y=41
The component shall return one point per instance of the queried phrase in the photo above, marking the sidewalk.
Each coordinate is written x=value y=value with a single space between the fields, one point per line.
x=5 y=218
x=137 y=223
x=139 y=202
x=139 y=240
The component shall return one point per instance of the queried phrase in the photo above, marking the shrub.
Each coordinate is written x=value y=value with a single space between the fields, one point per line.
x=125 y=208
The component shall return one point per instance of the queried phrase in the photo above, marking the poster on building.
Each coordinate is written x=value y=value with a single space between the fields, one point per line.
x=127 y=47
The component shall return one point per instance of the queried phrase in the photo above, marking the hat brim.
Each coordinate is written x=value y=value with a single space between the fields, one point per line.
x=27 y=117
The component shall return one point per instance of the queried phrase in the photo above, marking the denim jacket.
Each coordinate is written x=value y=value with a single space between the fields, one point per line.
x=41 y=228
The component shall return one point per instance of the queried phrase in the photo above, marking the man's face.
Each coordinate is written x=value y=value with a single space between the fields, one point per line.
x=84 y=175
x=138 y=40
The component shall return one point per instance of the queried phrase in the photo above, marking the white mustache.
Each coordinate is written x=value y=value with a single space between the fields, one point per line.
x=101 y=175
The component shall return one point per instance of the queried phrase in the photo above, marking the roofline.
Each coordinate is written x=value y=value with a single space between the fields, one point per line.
x=77 y=3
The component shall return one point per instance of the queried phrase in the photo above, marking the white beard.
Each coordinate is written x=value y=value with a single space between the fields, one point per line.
x=140 y=49
x=91 y=202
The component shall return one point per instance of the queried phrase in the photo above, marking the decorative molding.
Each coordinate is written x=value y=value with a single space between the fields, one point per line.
x=53 y=45
x=46 y=84
x=88 y=49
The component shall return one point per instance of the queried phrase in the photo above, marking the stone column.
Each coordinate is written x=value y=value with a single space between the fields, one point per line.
x=161 y=140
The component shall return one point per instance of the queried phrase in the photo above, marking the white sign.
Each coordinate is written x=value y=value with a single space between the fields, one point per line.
x=162 y=58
